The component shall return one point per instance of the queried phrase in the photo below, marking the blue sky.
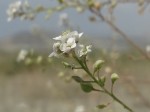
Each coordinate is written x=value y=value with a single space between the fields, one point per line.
x=127 y=18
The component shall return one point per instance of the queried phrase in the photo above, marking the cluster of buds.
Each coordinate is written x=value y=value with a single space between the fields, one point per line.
x=20 y=9
x=68 y=43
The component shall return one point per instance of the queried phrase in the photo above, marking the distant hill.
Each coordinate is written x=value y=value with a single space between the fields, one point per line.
x=38 y=40
x=41 y=40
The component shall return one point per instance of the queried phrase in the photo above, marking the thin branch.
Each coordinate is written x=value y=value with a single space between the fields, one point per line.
x=115 y=28
x=98 y=90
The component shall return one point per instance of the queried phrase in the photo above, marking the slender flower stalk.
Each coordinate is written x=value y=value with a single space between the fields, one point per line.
x=86 y=69
x=68 y=43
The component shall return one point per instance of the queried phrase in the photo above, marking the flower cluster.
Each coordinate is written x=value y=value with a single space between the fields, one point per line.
x=19 y=9
x=67 y=43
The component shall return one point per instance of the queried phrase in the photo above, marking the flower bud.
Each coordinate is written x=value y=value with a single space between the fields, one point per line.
x=98 y=64
x=102 y=80
x=114 y=77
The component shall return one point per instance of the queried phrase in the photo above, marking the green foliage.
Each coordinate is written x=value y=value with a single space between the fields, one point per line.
x=102 y=106
x=86 y=87
x=77 y=79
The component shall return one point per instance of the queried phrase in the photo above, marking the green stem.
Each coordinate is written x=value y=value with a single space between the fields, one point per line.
x=84 y=66
x=112 y=88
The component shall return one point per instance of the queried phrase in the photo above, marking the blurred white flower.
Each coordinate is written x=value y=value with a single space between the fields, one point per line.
x=80 y=108
x=22 y=55
x=56 y=50
x=80 y=9
x=84 y=50
x=148 y=49
x=14 y=10
x=108 y=69
x=19 y=9
x=64 y=20
x=39 y=59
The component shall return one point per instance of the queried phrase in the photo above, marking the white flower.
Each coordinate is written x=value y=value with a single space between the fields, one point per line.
x=19 y=9
x=67 y=42
x=84 y=50
x=70 y=44
x=22 y=55
x=56 y=50
x=67 y=35
x=80 y=108
x=75 y=35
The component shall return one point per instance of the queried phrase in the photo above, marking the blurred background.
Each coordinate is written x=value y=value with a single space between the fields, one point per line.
x=41 y=87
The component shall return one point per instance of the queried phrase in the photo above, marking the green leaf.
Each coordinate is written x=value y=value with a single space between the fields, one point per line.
x=102 y=106
x=86 y=87
x=77 y=79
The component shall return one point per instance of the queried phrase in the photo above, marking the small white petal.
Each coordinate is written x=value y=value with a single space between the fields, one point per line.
x=51 y=55
x=63 y=47
x=58 y=38
x=80 y=34
x=74 y=45
x=70 y=41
